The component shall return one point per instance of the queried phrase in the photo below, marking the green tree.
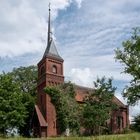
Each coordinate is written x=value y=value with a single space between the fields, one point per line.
x=26 y=78
x=98 y=105
x=129 y=56
x=12 y=111
x=136 y=125
x=63 y=98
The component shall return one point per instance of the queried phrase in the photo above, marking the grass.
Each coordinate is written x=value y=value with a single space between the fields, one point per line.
x=133 y=136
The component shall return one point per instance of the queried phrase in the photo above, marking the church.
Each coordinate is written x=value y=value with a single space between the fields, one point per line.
x=50 y=73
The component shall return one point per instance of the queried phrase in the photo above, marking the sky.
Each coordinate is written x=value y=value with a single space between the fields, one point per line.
x=86 y=33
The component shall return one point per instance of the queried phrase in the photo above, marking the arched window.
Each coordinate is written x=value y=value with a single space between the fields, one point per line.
x=42 y=71
x=54 y=69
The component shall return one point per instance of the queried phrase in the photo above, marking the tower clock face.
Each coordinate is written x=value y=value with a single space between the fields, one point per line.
x=54 y=69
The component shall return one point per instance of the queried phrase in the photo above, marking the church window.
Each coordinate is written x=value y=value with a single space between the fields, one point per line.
x=119 y=121
x=54 y=69
x=122 y=124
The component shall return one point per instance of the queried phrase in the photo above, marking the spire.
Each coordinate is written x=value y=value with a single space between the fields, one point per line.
x=51 y=50
x=49 y=25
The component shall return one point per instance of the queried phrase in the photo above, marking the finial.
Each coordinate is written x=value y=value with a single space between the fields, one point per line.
x=49 y=6
x=49 y=25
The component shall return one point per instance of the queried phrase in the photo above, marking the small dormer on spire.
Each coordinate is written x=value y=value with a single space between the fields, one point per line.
x=51 y=50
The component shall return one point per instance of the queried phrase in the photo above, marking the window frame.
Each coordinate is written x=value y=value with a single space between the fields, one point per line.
x=54 y=69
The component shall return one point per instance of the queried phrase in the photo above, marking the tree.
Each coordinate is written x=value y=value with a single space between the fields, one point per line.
x=129 y=56
x=12 y=111
x=26 y=77
x=136 y=125
x=98 y=105
x=25 y=80
x=63 y=98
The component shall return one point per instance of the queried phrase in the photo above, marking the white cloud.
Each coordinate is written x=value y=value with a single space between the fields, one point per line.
x=86 y=36
x=21 y=28
x=134 y=111
x=23 y=25
x=81 y=76
x=79 y=2
x=89 y=36
x=86 y=76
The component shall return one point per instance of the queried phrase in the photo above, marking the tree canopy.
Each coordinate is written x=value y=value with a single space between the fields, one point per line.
x=129 y=56
x=98 y=106
x=136 y=123
x=12 y=112
x=67 y=109
x=91 y=114
x=17 y=98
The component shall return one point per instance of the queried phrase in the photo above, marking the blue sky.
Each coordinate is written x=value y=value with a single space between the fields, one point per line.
x=86 y=33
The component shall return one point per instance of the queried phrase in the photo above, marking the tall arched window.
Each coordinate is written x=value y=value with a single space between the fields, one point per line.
x=54 y=69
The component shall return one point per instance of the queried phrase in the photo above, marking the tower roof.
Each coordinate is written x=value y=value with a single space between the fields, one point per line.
x=51 y=50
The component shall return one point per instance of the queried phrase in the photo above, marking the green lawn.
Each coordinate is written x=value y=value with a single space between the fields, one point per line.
x=134 y=136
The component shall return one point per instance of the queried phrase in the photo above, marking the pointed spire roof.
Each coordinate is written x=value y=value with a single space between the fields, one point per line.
x=51 y=50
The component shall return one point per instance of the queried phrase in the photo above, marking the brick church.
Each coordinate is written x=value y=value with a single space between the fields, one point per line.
x=50 y=73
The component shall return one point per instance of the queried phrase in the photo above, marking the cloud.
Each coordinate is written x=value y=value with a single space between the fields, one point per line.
x=8 y=63
x=86 y=76
x=86 y=37
x=21 y=29
x=23 y=25
x=81 y=76
x=87 y=32
x=89 y=36
x=79 y=2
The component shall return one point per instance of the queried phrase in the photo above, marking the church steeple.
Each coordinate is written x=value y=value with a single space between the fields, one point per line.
x=49 y=26
x=51 y=50
x=50 y=73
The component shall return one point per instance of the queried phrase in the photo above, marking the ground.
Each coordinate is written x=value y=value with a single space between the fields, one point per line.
x=132 y=136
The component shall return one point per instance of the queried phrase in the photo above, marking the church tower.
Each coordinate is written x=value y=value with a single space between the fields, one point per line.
x=50 y=73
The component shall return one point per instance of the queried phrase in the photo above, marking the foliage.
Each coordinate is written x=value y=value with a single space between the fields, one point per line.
x=63 y=98
x=12 y=111
x=129 y=56
x=22 y=83
x=98 y=105
x=136 y=125
x=26 y=78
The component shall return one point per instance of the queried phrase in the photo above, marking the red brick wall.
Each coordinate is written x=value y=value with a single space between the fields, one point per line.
x=51 y=117
x=49 y=79
x=121 y=112
x=124 y=119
